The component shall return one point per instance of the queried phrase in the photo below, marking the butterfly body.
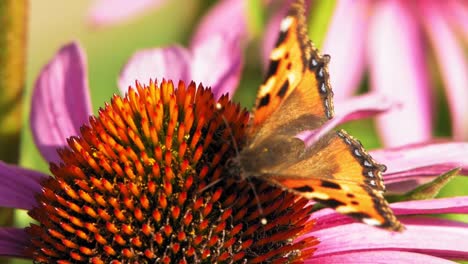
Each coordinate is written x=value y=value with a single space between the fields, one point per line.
x=296 y=96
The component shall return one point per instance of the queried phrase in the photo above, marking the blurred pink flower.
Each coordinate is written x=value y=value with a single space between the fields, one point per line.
x=110 y=12
x=391 y=37
x=214 y=57
x=338 y=238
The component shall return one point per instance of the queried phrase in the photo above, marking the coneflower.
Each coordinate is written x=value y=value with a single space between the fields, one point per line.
x=146 y=181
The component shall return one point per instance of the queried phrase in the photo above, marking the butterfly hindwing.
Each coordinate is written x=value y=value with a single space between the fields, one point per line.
x=338 y=155
x=339 y=173
x=297 y=76
x=350 y=198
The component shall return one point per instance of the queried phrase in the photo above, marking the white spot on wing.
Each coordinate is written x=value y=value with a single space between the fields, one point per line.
x=277 y=53
x=267 y=87
x=219 y=106
x=345 y=209
x=370 y=221
x=285 y=24
x=317 y=195
x=291 y=78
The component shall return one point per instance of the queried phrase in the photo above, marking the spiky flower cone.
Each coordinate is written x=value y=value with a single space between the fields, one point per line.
x=146 y=182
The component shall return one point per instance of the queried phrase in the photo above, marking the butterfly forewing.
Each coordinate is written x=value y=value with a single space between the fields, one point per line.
x=296 y=71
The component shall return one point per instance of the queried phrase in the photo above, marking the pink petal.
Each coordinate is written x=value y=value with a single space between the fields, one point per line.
x=457 y=13
x=378 y=256
x=109 y=12
x=363 y=106
x=171 y=63
x=327 y=218
x=60 y=100
x=357 y=107
x=422 y=160
x=217 y=62
x=227 y=17
x=437 y=237
x=450 y=54
x=13 y=241
x=345 y=42
x=398 y=69
x=18 y=186
x=452 y=205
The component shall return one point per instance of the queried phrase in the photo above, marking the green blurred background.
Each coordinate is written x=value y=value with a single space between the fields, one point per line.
x=54 y=23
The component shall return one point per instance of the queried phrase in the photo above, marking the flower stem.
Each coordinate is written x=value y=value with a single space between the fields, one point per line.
x=13 y=26
x=13 y=21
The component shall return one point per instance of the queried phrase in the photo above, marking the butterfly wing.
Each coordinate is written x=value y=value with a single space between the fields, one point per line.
x=339 y=173
x=296 y=96
x=350 y=198
x=296 y=89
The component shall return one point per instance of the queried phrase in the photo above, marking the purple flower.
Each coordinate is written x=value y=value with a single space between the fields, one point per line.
x=391 y=37
x=327 y=237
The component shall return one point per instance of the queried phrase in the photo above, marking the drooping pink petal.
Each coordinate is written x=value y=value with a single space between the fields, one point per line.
x=60 y=100
x=109 y=12
x=18 y=186
x=217 y=63
x=13 y=241
x=227 y=17
x=170 y=63
x=327 y=218
x=345 y=42
x=357 y=107
x=436 y=237
x=378 y=256
x=453 y=62
x=422 y=160
x=397 y=68
x=363 y=106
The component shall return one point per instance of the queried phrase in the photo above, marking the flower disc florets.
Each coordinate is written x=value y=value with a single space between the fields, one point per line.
x=145 y=182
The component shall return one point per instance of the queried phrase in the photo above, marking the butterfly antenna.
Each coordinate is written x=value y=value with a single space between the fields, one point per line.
x=210 y=185
x=263 y=220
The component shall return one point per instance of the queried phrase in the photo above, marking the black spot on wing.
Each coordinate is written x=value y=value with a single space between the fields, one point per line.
x=331 y=185
x=359 y=215
x=333 y=203
x=284 y=88
x=304 y=188
x=265 y=100
x=282 y=36
x=272 y=68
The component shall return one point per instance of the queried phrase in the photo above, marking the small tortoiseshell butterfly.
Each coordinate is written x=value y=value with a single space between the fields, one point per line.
x=296 y=96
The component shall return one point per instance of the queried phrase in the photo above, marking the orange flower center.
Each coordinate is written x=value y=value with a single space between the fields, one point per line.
x=146 y=182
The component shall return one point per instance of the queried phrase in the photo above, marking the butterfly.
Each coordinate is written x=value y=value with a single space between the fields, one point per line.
x=296 y=96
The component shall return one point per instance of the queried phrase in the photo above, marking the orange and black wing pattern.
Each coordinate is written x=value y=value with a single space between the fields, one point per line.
x=296 y=96
x=296 y=89
x=340 y=174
